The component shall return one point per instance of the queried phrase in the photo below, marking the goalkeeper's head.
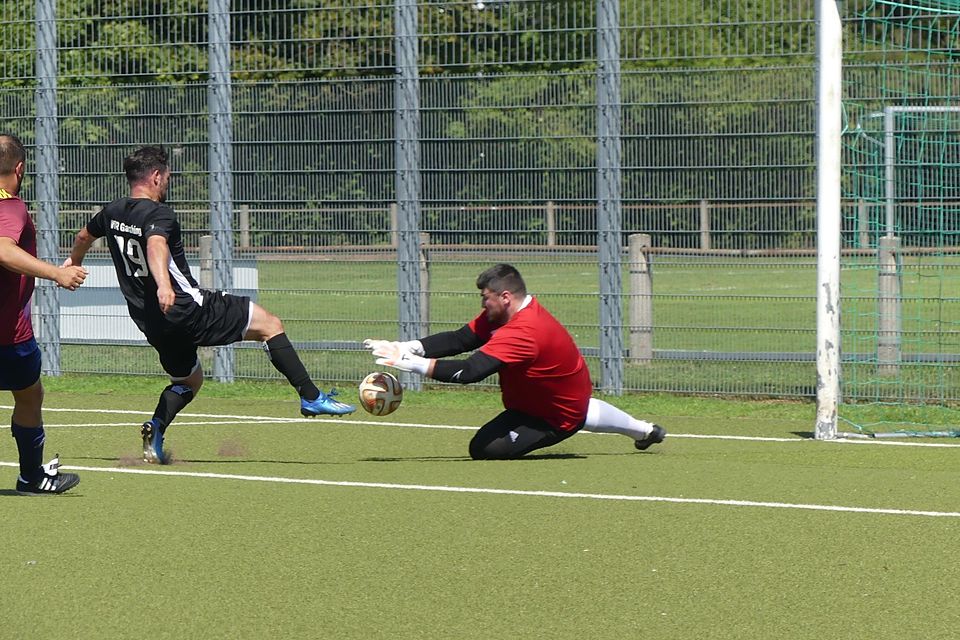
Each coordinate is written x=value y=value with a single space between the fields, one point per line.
x=500 y=278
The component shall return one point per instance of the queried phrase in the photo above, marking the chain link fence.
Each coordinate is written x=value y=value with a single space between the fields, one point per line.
x=355 y=165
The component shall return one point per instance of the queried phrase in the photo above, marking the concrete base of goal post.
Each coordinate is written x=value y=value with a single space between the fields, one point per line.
x=889 y=307
x=641 y=299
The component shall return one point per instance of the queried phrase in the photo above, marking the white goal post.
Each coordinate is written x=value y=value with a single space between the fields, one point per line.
x=829 y=171
x=828 y=158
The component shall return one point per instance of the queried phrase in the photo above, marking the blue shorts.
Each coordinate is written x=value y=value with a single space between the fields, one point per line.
x=19 y=365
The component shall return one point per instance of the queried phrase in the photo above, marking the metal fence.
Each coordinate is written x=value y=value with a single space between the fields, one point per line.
x=366 y=161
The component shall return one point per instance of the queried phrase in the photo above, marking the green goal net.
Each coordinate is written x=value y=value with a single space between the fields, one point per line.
x=900 y=264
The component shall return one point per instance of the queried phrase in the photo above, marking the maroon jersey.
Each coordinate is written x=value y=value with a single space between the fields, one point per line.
x=16 y=289
x=544 y=374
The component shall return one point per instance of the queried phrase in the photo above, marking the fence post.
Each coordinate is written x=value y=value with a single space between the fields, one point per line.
x=888 y=306
x=609 y=176
x=863 y=223
x=424 y=284
x=641 y=299
x=47 y=180
x=407 y=115
x=220 y=150
x=705 y=225
x=551 y=211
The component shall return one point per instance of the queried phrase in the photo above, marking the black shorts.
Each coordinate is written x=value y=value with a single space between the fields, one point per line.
x=19 y=365
x=222 y=319
x=513 y=434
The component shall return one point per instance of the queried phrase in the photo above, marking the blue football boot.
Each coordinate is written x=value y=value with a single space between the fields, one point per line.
x=153 y=443
x=325 y=405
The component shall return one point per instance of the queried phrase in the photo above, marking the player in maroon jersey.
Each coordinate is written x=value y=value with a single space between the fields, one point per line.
x=19 y=353
x=544 y=380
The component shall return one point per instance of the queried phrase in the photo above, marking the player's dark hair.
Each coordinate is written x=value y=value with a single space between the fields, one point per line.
x=144 y=161
x=12 y=152
x=500 y=278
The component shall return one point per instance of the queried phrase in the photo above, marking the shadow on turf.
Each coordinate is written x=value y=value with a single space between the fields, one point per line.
x=130 y=462
x=14 y=494
x=125 y=462
x=543 y=456
x=810 y=435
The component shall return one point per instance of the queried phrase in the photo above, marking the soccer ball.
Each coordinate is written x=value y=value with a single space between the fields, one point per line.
x=380 y=393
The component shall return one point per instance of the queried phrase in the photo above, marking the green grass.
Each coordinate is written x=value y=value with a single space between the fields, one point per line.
x=179 y=556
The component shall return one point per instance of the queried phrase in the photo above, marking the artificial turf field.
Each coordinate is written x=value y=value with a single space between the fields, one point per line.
x=269 y=526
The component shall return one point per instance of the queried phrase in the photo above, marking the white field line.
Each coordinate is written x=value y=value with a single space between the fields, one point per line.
x=220 y=418
x=516 y=492
x=230 y=419
x=223 y=418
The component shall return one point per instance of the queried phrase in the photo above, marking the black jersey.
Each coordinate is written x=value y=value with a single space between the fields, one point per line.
x=127 y=223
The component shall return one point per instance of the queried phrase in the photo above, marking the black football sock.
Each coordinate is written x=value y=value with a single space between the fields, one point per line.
x=172 y=400
x=284 y=357
x=30 y=447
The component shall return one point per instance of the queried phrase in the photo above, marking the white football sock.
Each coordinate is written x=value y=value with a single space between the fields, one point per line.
x=603 y=417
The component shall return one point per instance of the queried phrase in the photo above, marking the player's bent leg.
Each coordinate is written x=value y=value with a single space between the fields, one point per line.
x=603 y=417
x=263 y=324
x=268 y=328
x=512 y=435
x=177 y=360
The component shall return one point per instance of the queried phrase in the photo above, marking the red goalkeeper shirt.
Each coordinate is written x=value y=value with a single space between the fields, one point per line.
x=544 y=374
x=16 y=289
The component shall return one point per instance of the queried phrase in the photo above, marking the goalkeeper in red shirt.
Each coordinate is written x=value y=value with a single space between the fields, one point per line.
x=544 y=380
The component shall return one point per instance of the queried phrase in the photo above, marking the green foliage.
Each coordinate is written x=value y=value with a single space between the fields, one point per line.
x=122 y=41
x=715 y=34
x=517 y=131
x=17 y=44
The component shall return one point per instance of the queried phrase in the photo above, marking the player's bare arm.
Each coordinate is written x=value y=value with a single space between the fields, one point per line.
x=81 y=244
x=158 y=257
x=15 y=259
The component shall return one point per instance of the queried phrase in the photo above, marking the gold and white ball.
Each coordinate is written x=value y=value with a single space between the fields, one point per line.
x=380 y=393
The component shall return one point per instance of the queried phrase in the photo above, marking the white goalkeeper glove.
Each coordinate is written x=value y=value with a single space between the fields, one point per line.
x=394 y=354
x=413 y=346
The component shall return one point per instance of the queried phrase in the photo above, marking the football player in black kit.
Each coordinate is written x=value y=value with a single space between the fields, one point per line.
x=168 y=306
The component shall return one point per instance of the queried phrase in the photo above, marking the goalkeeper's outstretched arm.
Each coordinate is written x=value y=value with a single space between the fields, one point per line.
x=420 y=356
x=474 y=369
x=450 y=343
